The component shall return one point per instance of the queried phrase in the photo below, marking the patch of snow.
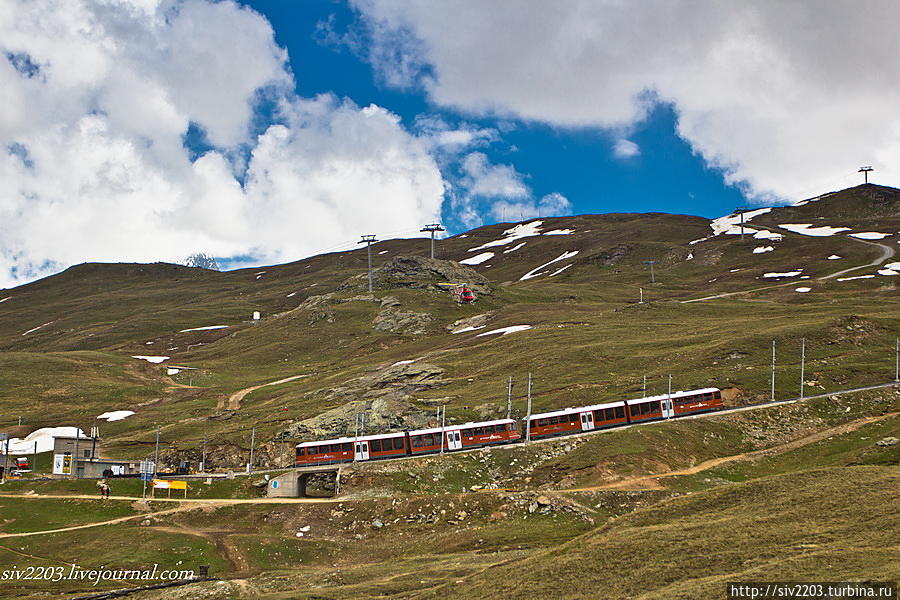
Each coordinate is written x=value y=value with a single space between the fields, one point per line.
x=805 y=277
x=536 y=272
x=152 y=359
x=36 y=328
x=768 y=235
x=734 y=270
x=779 y=275
x=803 y=290
x=172 y=371
x=43 y=437
x=514 y=233
x=465 y=329
x=463 y=236
x=869 y=235
x=703 y=239
x=560 y=232
x=834 y=257
x=291 y=295
x=506 y=330
x=857 y=277
x=260 y=272
x=808 y=200
x=888 y=272
x=384 y=252
x=690 y=256
x=116 y=415
x=403 y=362
x=207 y=328
x=761 y=249
x=809 y=229
x=514 y=248
x=147 y=343
x=731 y=224
x=895 y=266
x=477 y=259
x=5 y=299
x=558 y=271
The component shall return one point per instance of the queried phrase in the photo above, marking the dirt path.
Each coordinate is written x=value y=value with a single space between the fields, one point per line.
x=234 y=401
x=651 y=482
x=886 y=253
x=168 y=511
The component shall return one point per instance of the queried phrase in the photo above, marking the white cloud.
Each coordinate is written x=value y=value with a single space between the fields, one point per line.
x=97 y=97
x=492 y=181
x=551 y=205
x=626 y=149
x=782 y=96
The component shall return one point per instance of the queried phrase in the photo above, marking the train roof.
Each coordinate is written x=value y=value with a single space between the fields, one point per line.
x=578 y=409
x=569 y=411
x=342 y=440
x=678 y=394
x=463 y=426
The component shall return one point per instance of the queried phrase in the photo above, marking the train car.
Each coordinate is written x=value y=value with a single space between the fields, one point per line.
x=347 y=449
x=697 y=401
x=459 y=437
x=575 y=420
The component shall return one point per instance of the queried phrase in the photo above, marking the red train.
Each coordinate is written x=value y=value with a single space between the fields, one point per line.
x=407 y=443
x=639 y=410
x=504 y=431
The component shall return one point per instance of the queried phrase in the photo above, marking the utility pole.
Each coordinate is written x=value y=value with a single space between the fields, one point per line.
x=443 y=411
x=897 y=360
x=356 y=437
x=644 y=388
x=74 y=458
x=528 y=410
x=156 y=454
x=642 y=296
x=203 y=456
x=252 y=444
x=5 y=456
x=95 y=433
x=865 y=171
x=802 y=364
x=509 y=398
x=368 y=240
x=652 y=272
x=434 y=227
x=741 y=210
x=773 y=370
x=670 y=384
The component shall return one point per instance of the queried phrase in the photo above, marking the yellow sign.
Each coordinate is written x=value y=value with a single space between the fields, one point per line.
x=178 y=485
x=166 y=484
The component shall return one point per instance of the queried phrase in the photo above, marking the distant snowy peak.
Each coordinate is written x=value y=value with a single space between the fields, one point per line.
x=201 y=260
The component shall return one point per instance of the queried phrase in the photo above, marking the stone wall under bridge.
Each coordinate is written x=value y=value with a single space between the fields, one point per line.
x=311 y=482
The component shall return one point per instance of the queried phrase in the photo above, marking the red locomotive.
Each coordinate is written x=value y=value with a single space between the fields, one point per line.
x=504 y=431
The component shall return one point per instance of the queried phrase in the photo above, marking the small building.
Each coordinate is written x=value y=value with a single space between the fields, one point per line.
x=79 y=457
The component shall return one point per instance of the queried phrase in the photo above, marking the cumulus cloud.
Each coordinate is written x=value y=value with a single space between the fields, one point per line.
x=499 y=191
x=626 y=149
x=98 y=98
x=781 y=96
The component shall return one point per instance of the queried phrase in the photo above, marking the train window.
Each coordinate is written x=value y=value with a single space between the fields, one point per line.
x=542 y=422
x=620 y=412
x=427 y=440
x=478 y=431
x=300 y=451
x=346 y=446
x=335 y=447
x=375 y=445
x=635 y=410
x=512 y=426
x=416 y=441
x=398 y=443
x=717 y=395
x=573 y=418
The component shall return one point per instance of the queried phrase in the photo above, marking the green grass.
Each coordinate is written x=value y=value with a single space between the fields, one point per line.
x=19 y=516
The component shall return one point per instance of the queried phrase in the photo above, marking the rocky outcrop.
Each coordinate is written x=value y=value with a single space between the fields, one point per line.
x=384 y=397
x=419 y=272
x=476 y=321
x=398 y=321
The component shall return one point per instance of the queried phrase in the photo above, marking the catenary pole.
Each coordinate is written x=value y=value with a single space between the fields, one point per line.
x=802 y=364
x=773 y=370
x=897 y=360
x=528 y=418
x=252 y=444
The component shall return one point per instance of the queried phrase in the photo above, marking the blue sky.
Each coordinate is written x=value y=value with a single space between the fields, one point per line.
x=666 y=176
